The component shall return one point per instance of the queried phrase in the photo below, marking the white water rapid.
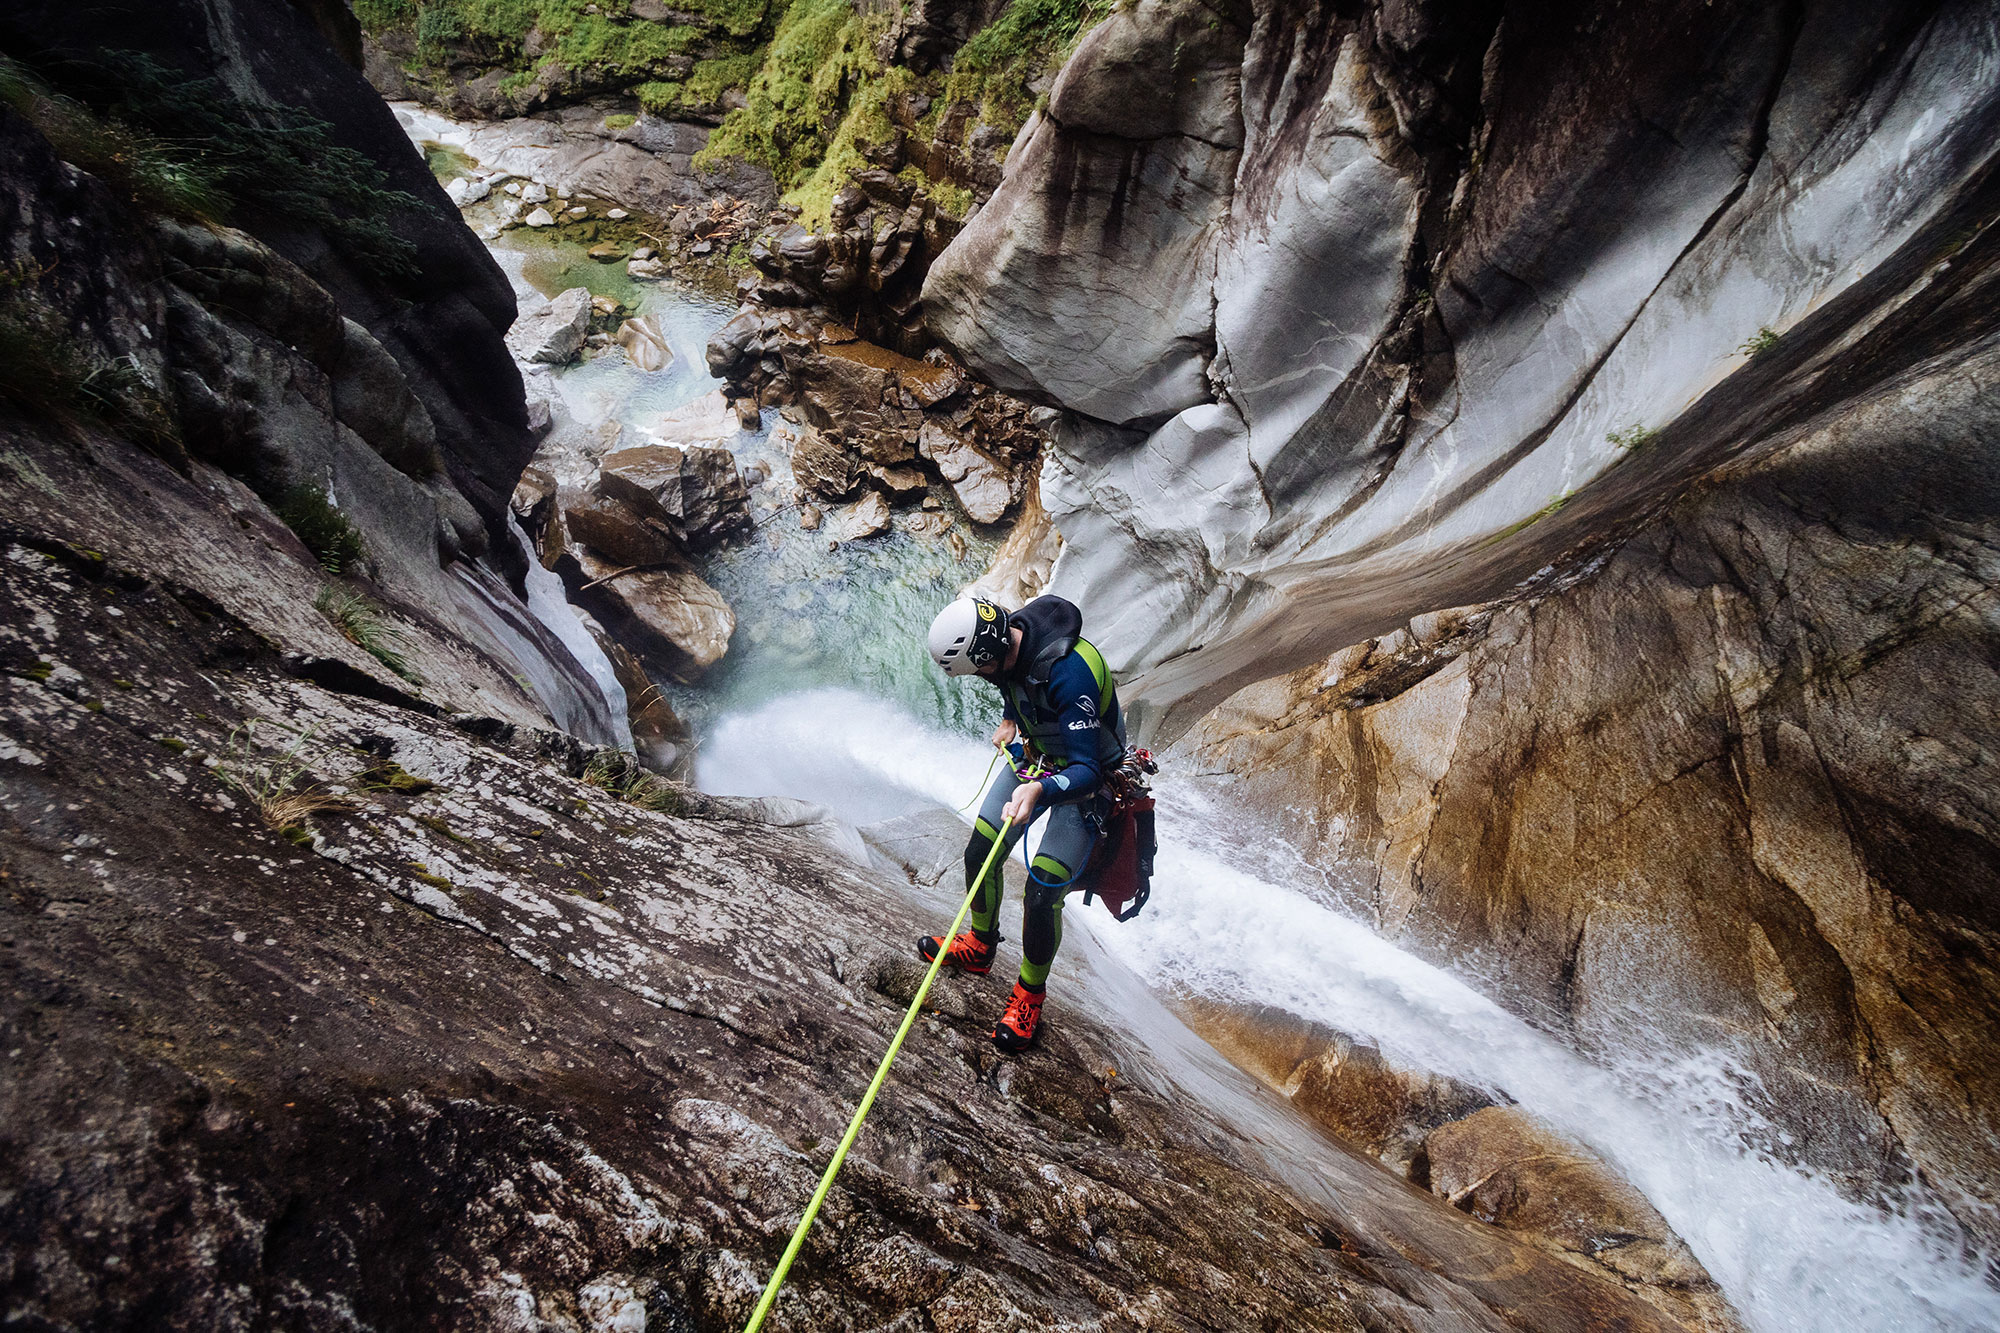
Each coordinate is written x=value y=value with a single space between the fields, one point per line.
x=1789 y=1251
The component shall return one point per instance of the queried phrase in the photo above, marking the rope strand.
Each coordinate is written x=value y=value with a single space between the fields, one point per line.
x=868 y=1099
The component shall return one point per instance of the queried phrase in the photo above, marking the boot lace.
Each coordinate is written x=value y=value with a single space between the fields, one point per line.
x=1023 y=1008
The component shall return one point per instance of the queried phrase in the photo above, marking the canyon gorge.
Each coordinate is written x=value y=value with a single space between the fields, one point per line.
x=476 y=477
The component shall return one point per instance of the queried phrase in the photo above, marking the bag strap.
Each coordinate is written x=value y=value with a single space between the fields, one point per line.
x=1099 y=672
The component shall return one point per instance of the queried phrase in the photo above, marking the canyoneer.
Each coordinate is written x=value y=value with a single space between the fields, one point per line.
x=1062 y=727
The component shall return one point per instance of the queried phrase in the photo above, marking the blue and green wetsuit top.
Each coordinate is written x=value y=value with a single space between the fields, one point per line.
x=1061 y=695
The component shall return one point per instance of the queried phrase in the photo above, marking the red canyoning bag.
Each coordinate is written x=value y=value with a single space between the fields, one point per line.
x=1121 y=865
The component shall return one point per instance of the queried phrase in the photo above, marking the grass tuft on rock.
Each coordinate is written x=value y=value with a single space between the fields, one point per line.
x=1634 y=438
x=47 y=372
x=1760 y=342
x=620 y=774
x=277 y=782
x=324 y=530
x=364 y=624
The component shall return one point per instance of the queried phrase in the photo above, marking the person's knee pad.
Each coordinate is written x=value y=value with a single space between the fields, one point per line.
x=1049 y=882
x=978 y=847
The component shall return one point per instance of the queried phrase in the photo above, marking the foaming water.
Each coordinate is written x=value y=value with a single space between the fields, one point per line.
x=1787 y=1248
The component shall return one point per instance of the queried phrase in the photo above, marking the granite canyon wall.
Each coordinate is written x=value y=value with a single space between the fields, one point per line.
x=1593 y=412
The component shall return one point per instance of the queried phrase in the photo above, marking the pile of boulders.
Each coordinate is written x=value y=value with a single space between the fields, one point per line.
x=622 y=540
x=866 y=271
x=870 y=417
x=831 y=330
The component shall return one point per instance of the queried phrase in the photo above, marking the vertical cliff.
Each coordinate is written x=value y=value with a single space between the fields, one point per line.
x=1593 y=411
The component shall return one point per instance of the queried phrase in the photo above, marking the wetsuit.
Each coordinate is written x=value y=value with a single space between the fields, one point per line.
x=1062 y=698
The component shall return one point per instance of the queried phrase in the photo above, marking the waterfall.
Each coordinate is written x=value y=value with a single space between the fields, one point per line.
x=556 y=659
x=550 y=605
x=1788 y=1249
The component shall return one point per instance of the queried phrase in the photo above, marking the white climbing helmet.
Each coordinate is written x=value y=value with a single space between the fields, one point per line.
x=969 y=635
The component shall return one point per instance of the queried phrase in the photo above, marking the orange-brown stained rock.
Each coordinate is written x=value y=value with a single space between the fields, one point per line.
x=1349 y=1088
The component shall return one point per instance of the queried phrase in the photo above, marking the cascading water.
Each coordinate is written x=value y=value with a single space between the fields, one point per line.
x=1787 y=1248
x=549 y=605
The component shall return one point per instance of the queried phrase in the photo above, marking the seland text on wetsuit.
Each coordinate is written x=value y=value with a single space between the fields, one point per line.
x=1061 y=696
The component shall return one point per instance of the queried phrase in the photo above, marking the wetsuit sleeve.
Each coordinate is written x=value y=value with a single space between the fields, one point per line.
x=1073 y=691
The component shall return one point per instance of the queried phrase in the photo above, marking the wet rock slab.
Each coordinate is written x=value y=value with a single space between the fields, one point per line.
x=479 y=1044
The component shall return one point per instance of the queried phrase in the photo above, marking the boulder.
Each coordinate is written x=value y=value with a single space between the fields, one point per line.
x=670 y=616
x=705 y=420
x=606 y=252
x=540 y=217
x=866 y=517
x=534 y=490
x=553 y=333
x=647 y=270
x=982 y=485
x=693 y=490
x=858 y=387
x=470 y=191
x=622 y=533
x=645 y=345
x=822 y=464
x=899 y=483
x=535 y=193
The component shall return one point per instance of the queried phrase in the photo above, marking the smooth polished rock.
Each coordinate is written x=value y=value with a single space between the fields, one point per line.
x=553 y=333
x=645 y=344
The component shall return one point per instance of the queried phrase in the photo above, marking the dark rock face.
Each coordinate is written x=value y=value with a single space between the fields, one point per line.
x=463 y=1041
x=443 y=326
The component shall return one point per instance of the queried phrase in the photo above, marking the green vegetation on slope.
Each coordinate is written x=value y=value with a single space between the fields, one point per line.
x=595 y=36
x=821 y=96
x=804 y=90
x=1030 y=38
x=817 y=95
x=186 y=148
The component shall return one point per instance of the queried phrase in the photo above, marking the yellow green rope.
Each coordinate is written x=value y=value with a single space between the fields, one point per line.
x=868 y=1098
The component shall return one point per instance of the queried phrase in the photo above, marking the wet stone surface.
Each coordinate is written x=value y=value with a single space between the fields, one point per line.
x=479 y=1045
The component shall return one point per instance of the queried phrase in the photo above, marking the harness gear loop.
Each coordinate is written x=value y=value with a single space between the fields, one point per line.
x=868 y=1098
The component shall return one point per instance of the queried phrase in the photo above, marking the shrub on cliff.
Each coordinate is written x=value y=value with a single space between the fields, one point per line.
x=321 y=528
x=47 y=372
x=188 y=148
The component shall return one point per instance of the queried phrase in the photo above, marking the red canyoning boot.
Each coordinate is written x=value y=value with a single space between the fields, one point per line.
x=967 y=952
x=1016 y=1029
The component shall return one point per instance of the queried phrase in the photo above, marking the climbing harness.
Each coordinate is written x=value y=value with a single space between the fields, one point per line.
x=868 y=1098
